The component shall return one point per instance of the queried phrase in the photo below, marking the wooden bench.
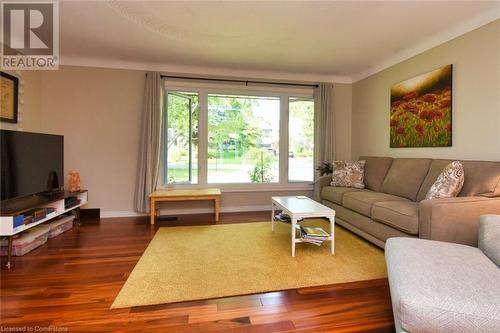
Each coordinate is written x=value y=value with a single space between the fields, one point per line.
x=183 y=195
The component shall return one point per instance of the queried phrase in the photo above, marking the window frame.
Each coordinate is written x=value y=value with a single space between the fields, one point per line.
x=203 y=90
x=164 y=150
x=288 y=138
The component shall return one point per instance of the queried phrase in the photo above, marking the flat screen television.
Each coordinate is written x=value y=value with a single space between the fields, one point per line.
x=31 y=163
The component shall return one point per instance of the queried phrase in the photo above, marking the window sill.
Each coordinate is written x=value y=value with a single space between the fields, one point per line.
x=266 y=189
x=246 y=187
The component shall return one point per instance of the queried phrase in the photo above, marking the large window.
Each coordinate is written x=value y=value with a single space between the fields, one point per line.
x=300 y=140
x=243 y=139
x=250 y=137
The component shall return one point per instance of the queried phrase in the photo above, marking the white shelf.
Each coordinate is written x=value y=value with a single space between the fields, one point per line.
x=7 y=222
x=48 y=217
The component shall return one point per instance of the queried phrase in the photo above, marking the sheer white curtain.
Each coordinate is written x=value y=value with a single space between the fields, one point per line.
x=323 y=128
x=151 y=141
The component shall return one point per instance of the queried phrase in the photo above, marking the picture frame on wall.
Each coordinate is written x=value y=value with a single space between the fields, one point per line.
x=9 y=90
x=421 y=110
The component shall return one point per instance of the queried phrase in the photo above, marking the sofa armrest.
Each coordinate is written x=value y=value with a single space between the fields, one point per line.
x=454 y=220
x=319 y=184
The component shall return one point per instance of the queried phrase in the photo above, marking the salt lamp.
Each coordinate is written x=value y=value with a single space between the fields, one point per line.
x=74 y=181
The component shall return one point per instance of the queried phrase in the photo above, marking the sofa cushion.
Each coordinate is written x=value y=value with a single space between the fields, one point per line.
x=442 y=287
x=405 y=177
x=363 y=201
x=371 y=230
x=449 y=183
x=335 y=194
x=480 y=178
x=402 y=215
x=375 y=170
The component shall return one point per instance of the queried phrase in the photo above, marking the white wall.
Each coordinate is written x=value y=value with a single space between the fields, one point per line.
x=342 y=109
x=99 y=113
x=476 y=99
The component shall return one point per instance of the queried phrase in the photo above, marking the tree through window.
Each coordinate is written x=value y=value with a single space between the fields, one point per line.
x=243 y=139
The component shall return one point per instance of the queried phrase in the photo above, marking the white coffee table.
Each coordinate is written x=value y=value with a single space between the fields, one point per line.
x=300 y=208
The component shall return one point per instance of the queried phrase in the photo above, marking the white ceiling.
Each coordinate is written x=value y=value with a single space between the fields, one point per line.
x=340 y=41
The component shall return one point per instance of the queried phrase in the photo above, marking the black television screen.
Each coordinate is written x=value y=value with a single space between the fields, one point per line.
x=31 y=163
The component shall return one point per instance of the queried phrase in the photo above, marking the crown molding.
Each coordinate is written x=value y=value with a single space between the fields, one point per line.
x=436 y=40
x=201 y=70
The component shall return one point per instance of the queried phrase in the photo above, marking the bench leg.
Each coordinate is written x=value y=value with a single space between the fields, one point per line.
x=217 y=209
x=152 y=211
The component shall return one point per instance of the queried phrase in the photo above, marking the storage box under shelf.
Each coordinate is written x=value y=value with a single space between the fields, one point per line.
x=60 y=224
x=27 y=241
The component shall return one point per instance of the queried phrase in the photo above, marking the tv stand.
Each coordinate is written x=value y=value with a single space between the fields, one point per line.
x=18 y=206
x=51 y=194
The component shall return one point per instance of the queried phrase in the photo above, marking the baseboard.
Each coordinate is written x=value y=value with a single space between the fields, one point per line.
x=120 y=213
x=235 y=209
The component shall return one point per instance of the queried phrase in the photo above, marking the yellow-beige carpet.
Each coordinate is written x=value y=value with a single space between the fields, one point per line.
x=201 y=262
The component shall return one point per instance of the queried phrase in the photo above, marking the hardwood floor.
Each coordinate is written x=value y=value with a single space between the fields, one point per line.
x=70 y=282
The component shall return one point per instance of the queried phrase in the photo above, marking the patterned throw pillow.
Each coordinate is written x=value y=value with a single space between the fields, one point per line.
x=348 y=174
x=449 y=183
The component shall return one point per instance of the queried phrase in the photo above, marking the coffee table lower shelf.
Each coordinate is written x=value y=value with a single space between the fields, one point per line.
x=302 y=208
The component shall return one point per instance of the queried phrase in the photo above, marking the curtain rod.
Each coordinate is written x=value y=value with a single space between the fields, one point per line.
x=246 y=82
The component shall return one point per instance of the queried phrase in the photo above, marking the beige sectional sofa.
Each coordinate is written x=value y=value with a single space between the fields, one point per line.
x=445 y=287
x=393 y=203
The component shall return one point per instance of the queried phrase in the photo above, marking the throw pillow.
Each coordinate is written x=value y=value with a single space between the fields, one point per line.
x=449 y=183
x=348 y=174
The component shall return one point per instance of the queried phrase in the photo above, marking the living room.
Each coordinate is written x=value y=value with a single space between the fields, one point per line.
x=158 y=114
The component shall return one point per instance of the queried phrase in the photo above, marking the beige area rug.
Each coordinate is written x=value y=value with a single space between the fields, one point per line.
x=201 y=262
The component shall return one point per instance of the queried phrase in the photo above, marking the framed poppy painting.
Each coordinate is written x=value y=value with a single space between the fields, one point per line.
x=421 y=110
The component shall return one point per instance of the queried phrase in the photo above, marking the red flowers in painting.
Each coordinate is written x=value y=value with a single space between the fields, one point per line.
x=444 y=103
x=428 y=115
x=430 y=98
x=410 y=96
x=422 y=117
x=420 y=129
x=410 y=108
